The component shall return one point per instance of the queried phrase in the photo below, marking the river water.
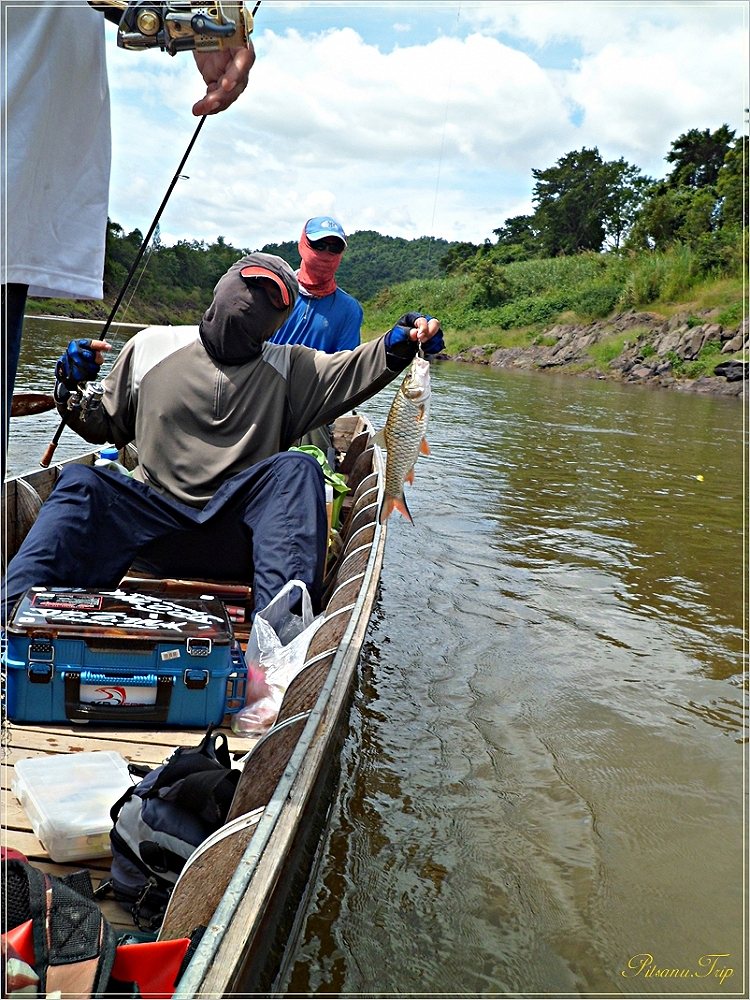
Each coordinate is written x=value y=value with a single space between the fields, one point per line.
x=543 y=783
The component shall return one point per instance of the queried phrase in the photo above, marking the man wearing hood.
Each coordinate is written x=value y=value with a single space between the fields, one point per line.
x=324 y=317
x=212 y=410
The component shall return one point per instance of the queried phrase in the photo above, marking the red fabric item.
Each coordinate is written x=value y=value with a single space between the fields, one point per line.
x=317 y=273
x=11 y=854
x=21 y=940
x=153 y=965
x=17 y=975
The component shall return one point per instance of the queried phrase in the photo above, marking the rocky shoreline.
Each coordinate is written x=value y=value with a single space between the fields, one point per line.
x=652 y=352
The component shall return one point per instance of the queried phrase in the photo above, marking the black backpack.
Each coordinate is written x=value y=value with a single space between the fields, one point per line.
x=74 y=946
x=160 y=821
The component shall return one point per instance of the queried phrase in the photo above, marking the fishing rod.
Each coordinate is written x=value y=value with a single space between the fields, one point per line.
x=174 y=27
x=52 y=446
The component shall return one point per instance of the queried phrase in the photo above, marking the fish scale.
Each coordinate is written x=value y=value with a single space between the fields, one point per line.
x=403 y=436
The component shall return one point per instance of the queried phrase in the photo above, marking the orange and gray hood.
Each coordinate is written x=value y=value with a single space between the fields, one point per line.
x=241 y=317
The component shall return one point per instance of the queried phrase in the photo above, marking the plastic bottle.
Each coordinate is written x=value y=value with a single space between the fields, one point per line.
x=329 y=506
x=109 y=459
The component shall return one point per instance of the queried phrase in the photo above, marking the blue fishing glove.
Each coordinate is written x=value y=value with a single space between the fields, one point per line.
x=401 y=346
x=76 y=365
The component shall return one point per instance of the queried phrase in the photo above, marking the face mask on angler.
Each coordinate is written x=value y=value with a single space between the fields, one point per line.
x=245 y=311
x=317 y=272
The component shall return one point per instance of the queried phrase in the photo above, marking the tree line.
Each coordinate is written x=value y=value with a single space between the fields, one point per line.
x=177 y=281
x=586 y=204
x=582 y=204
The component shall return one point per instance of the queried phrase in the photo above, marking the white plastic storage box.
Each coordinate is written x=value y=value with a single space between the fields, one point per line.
x=67 y=798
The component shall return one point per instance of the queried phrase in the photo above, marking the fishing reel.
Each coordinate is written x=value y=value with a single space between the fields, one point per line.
x=179 y=25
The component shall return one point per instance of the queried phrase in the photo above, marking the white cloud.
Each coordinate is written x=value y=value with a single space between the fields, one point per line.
x=592 y=26
x=432 y=137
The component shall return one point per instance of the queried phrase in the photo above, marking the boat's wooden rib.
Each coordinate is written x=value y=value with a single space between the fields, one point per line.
x=265 y=764
x=250 y=883
x=304 y=689
x=205 y=878
x=21 y=505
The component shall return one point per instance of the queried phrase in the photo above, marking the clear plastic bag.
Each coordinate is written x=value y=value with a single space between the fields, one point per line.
x=275 y=654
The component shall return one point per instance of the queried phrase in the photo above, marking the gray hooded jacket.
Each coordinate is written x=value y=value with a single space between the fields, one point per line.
x=205 y=403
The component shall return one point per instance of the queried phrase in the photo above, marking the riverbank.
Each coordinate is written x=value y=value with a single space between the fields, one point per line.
x=687 y=353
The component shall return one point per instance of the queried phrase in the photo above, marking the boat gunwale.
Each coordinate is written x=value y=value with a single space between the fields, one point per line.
x=210 y=955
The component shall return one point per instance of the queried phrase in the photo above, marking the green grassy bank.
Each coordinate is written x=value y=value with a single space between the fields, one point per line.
x=514 y=305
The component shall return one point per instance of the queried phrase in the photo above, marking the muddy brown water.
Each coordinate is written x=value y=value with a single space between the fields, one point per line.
x=542 y=786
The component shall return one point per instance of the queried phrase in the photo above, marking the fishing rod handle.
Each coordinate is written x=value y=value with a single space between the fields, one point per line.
x=46 y=458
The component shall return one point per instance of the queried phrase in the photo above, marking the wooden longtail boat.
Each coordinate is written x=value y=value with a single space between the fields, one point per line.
x=248 y=887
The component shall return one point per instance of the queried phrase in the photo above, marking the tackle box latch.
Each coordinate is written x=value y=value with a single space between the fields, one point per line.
x=195 y=680
x=198 y=646
x=41 y=661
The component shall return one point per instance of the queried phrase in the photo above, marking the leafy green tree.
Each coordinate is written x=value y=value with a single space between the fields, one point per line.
x=490 y=284
x=120 y=252
x=626 y=188
x=672 y=215
x=582 y=199
x=517 y=239
x=731 y=185
x=457 y=256
x=698 y=156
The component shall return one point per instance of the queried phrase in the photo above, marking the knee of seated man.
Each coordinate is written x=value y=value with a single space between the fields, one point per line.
x=299 y=463
x=76 y=477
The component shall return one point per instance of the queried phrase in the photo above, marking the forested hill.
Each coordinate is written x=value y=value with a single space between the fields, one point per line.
x=374 y=262
x=602 y=237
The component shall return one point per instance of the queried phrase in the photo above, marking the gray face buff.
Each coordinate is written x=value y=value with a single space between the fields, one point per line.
x=245 y=309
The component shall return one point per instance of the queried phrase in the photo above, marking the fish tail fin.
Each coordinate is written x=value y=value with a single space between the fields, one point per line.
x=394 y=503
x=400 y=505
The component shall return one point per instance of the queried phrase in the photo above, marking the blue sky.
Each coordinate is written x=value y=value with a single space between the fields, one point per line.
x=420 y=118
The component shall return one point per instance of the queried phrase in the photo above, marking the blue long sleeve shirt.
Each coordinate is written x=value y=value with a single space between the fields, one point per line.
x=332 y=323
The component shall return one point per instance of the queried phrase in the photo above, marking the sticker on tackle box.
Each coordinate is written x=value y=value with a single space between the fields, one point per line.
x=134 y=612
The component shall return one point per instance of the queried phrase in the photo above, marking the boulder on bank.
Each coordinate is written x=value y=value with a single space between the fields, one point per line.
x=658 y=353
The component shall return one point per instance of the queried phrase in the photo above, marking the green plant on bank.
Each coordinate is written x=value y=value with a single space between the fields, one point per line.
x=708 y=357
x=604 y=352
x=732 y=315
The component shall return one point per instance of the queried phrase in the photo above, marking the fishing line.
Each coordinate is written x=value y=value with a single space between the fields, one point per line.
x=441 y=155
x=120 y=337
x=52 y=446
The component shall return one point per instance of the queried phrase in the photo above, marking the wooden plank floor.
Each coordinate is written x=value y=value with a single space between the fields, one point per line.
x=137 y=745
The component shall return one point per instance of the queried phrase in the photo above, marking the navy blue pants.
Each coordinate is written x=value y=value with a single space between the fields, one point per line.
x=266 y=525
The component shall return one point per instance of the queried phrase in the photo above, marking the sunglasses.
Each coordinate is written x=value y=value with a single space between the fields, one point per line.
x=328 y=245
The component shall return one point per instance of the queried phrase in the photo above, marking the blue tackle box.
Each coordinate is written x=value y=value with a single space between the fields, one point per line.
x=123 y=657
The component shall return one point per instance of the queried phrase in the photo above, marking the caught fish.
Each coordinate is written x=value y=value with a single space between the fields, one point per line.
x=403 y=436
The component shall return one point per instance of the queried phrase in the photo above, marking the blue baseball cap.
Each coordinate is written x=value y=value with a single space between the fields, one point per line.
x=322 y=226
